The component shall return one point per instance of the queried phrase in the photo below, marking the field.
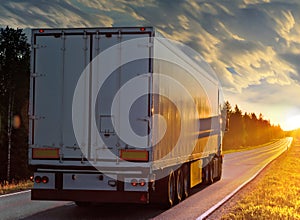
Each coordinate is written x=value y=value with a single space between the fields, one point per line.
x=273 y=195
x=15 y=187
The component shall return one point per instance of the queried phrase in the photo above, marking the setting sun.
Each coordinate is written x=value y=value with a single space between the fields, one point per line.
x=292 y=123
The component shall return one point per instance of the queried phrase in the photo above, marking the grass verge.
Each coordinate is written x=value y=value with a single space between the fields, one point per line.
x=275 y=195
x=15 y=187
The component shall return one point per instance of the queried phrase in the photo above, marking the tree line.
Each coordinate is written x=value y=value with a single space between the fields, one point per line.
x=244 y=129
x=14 y=90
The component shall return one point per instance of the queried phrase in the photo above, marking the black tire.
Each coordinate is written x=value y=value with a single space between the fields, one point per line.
x=164 y=194
x=208 y=174
x=171 y=189
x=205 y=174
x=186 y=181
x=211 y=172
x=219 y=169
x=179 y=185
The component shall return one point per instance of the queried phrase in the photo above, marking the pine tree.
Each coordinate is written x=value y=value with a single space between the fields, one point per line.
x=14 y=90
x=247 y=130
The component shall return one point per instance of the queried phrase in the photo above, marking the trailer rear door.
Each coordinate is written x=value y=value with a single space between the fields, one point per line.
x=59 y=59
x=112 y=125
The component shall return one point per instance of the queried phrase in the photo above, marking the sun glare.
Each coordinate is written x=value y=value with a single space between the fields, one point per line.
x=292 y=123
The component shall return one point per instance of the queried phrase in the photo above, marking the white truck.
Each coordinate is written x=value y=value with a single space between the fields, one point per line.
x=80 y=145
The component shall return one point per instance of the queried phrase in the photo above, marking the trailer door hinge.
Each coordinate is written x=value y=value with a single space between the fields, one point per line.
x=34 y=75
x=97 y=35
x=35 y=46
x=35 y=117
x=85 y=35
x=74 y=147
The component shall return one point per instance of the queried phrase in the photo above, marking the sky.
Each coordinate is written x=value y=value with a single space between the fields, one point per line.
x=253 y=45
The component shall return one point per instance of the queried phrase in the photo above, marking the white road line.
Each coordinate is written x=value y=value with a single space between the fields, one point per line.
x=216 y=206
x=13 y=194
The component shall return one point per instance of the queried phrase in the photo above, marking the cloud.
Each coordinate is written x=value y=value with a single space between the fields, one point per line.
x=183 y=21
x=105 y=21
x=294 y=60
x=248 y=36
x=103 y=5
x=136 y=16
x=254 y=62
x=69 y=13
x=40 y=14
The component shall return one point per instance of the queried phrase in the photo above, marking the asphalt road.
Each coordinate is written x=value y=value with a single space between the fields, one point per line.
x=19 y=205
x=238 y=169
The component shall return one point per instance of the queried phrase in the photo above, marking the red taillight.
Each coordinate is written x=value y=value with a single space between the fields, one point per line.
x=142 y=29
x=38 y=179
x=142 y=182
x=45 y=179
x=134 y=182
x=41 y=30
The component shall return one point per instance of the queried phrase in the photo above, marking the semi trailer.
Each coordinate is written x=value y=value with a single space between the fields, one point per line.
x=121 y=115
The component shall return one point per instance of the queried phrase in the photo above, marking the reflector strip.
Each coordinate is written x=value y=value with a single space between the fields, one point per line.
x=45 y=153
x=134 y=155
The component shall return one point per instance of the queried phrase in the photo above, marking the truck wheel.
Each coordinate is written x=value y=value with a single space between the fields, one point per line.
x=210 y=173
x=205 y=174
x=219 y=169
x=165 y=191
x=186 y=187
x=179 y=185
x=171 y=189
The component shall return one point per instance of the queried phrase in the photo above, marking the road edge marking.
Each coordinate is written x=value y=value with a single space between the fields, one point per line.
x=220 y=203
x=15 y=193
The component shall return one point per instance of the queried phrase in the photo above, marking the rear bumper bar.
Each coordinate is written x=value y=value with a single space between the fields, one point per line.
x=90 y=196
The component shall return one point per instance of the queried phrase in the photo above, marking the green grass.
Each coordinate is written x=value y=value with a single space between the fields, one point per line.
x=276 y=195
x=245 y=148
x=15 y=187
